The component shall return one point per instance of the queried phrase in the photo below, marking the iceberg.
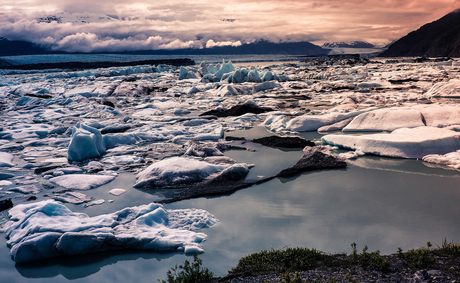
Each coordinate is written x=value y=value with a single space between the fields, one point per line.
x=86 y=143
x=175 y=172
x=403 y=143
x=49 y=229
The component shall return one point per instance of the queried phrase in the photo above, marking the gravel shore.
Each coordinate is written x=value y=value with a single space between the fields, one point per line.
x=445 y=269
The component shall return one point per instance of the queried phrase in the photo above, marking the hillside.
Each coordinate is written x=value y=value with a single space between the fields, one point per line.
x=440 y=38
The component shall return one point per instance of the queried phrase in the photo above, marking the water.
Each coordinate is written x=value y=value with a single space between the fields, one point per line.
x=382 y=202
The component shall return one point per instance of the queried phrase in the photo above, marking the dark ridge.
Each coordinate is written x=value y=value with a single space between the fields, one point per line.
x=95 y=65
x=440 y=38
x=237 y=110
x=19 y=47
x=287 y=142
x=5 y=204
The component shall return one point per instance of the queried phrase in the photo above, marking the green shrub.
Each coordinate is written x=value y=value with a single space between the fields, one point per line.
x=279 y=261
x=418 y=258
x=371 y=260
x=449 y=248
x=190 y=272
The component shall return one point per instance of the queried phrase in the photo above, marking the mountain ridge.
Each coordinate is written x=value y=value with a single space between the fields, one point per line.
x=16 y=47
x=440 y=38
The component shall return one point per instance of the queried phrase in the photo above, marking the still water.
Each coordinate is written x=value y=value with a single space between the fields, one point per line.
x=384 y=203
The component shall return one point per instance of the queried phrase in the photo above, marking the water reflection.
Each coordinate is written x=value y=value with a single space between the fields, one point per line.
x=382 y=202
x=82 y=266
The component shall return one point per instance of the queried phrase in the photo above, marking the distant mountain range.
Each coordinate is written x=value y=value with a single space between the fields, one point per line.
x=18 y=47
x=15 y=47
x=440 y=38
x=349 y=44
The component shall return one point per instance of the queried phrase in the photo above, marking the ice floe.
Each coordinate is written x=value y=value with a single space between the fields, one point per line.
x=451 y=159
x=404 y=143
x=81 y=181
x=49 y=229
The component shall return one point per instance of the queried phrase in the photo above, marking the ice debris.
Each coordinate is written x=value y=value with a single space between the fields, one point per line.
x=49 y=229
x=86 y=143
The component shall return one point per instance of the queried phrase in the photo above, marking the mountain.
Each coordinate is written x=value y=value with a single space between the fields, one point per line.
x=18 y=47
x=259 y=47
x=349 y=44
x=440 y=38
x=9 y=48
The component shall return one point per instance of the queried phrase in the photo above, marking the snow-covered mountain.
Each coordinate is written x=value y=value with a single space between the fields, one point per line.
x=79 y=18
x=349 y=44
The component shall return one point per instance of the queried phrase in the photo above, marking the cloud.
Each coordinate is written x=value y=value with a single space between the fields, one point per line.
x=144 y=24
x=210 y=43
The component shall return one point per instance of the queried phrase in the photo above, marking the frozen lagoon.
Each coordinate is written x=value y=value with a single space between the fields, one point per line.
x=407 y=203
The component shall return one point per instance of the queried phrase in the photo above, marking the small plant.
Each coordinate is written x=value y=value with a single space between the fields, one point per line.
x=279 y=261
x=449 y=248
x=371 y=260
x=418 y=258
x=190 y=272
x=286 y=278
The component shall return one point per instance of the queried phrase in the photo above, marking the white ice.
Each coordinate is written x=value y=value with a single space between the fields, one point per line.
x=6 y=159
x=86 y=143
x=451 y=159
x=404 y=143
x=81 y=181
x=117 y=191
x=48 y=229
x=179 y=170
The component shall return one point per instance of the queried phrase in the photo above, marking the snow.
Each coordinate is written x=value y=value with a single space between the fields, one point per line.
x=86 y=143
x=48 y=229
x=403 y=143
x=81 y=181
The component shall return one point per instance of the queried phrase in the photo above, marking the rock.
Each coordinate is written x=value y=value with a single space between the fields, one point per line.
x=238 y=110
x=288 y=142
x=314 y=158
x=5 y=204
x=233 y=178
x=6 y=176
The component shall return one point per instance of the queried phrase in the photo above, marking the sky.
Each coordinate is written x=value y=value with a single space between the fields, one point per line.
x=118 y=25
